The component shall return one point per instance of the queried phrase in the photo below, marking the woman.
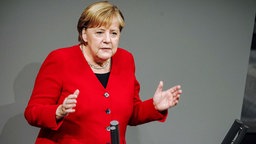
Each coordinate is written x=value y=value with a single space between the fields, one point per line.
x=80 y=89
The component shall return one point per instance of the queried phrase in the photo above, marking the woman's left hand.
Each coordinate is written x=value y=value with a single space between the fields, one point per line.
x=163 y=100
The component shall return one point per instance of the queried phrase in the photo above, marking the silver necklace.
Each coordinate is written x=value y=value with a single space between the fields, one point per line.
x=97 y=67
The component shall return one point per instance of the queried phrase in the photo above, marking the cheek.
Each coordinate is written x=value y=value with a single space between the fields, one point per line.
x=116 y=42
x=94 y=43
x=114 y=50
x=115 y=46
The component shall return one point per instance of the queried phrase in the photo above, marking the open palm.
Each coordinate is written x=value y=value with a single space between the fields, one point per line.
x=168 y=98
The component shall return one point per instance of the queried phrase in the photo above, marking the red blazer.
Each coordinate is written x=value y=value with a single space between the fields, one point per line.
x=65 y=70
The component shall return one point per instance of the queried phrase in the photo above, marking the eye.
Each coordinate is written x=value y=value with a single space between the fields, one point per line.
x=114 y=33
x=99 y=32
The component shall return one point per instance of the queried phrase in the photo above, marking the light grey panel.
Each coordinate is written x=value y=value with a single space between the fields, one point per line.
x=202 y=45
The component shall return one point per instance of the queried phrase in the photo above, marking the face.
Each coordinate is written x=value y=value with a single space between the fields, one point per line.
x=102 y=42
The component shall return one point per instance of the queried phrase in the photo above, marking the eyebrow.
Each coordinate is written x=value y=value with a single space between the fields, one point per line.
x=103 y=29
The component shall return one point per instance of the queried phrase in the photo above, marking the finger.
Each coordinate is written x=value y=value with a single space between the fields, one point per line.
x=177 y=87
x=76 y=92
x=70 y=101
x=74 y=95
x=69 y=106
x=69 y=97
x=160 y=87
x=177 y=98
x=70 y=110
x=174 y=102
x=176 y=91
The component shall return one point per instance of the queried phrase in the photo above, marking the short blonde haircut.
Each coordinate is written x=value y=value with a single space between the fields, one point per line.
x=99 y=14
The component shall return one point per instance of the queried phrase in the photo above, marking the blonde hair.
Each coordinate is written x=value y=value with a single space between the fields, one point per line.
x=99 y=14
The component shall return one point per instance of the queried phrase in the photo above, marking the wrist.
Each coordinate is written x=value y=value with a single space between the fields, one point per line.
x=60 y=112
x=155 y=105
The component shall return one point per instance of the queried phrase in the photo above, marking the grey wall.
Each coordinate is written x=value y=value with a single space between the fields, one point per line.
x=202 y=45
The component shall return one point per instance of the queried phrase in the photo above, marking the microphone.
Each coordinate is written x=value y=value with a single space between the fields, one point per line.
x=114 y=131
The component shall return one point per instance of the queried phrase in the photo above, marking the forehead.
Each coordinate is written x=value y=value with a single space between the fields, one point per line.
x=114 y=24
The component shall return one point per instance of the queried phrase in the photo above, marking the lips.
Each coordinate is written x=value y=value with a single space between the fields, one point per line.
x=105 y=48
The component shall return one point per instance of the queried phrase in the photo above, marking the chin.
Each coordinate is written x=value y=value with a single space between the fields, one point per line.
x=105 y=57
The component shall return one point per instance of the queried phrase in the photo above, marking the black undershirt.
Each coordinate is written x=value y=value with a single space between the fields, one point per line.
x=103 y=78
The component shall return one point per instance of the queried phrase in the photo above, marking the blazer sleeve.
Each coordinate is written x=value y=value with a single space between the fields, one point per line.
x=144 y=111
x=41 y=108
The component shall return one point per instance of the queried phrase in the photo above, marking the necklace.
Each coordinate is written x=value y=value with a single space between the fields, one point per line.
x=97 y=67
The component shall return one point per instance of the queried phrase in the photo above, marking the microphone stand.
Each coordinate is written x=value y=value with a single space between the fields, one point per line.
x=114 y=131
x=236 y=133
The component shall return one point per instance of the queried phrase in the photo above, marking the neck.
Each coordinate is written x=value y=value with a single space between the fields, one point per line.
x=100 y=66
x=97 y=67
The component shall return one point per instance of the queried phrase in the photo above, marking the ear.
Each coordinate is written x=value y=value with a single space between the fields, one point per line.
x=84 y=35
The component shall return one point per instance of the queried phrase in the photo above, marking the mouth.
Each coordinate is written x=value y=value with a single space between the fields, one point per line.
x=105 y=52
x=106 y=48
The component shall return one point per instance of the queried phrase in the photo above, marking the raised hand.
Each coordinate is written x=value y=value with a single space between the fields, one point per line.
x=67 y=106
x=163 y=100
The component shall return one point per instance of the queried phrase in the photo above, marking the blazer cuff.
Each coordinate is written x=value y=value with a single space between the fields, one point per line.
x=48 y=117
x=162 y=115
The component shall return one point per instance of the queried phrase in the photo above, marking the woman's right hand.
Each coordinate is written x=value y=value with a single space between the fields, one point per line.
x=67 y=106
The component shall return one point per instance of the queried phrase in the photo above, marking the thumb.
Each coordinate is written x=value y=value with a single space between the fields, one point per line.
x=160 y=87
x=76 y=92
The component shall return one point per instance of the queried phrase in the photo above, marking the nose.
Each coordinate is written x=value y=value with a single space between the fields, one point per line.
x=106 y=38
